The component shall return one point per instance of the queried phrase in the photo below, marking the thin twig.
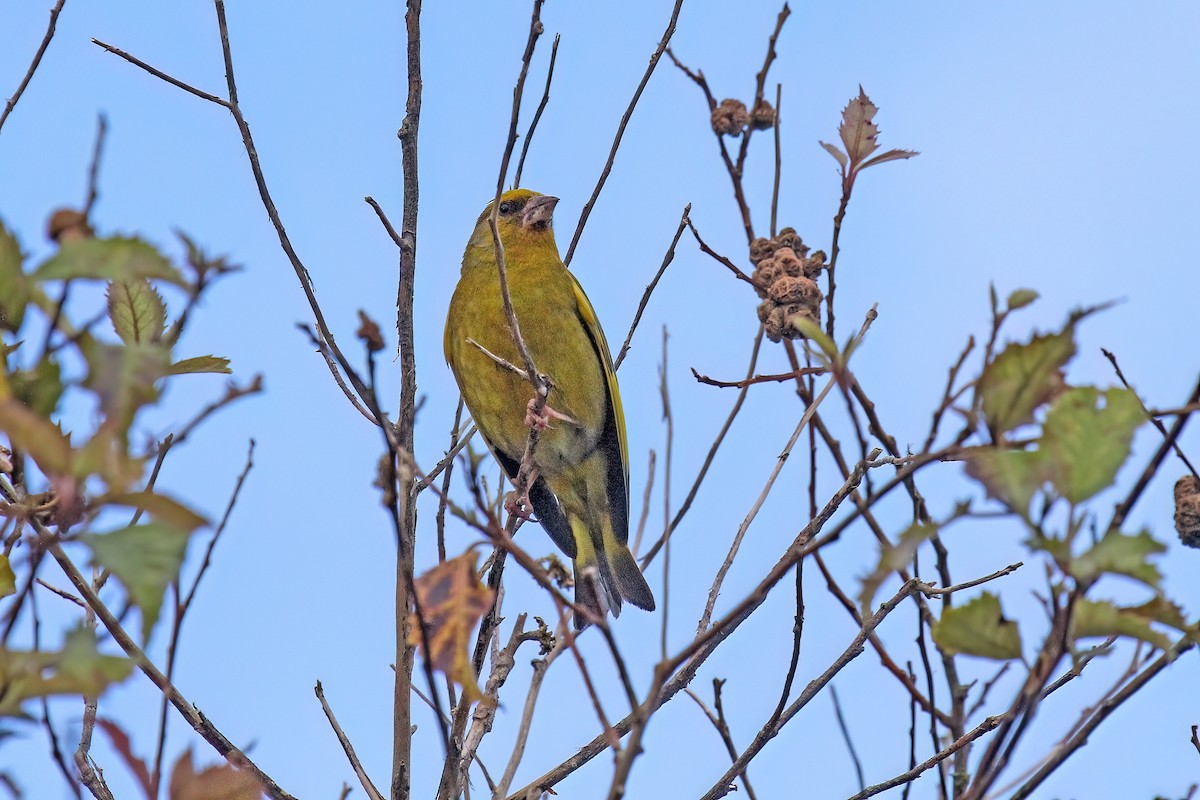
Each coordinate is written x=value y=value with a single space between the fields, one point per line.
x=187 y=87
x=94 y=169
x=775 y=378
x=987 y=725
x=33 y=65
x=856 y=648
x=780 y=460
x=387 y=223
x=637 y=317
x=612 y=154
x=841 y=721
x=778 y=161
x=344 y=740
x=537 y=115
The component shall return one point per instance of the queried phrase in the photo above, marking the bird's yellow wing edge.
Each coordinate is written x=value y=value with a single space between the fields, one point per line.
x=588 y=315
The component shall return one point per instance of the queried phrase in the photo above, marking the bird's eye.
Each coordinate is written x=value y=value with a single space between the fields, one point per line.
x=506 y=207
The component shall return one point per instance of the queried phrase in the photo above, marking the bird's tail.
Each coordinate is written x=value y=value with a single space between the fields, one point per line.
x=605 y=574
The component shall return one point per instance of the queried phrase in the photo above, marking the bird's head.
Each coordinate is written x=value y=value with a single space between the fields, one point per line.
x=524 y=219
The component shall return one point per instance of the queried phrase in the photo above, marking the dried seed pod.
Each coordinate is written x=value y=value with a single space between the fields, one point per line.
x=1187 y=510
x=790 y=239
x=730 y=117
x=763 y=116
x=814 y=264
x=761 y=248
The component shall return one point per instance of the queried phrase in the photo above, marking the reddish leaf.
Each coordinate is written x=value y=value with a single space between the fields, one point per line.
x=218 y=782
x=120 y=742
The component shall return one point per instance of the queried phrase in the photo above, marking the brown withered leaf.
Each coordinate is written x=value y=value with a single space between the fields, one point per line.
x=124 y=747
x=218 y=782
x=452 y=601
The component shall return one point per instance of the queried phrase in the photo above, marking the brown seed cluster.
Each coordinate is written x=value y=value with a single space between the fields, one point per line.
x=730 y=118
x=1187 y=510
x=785 y=276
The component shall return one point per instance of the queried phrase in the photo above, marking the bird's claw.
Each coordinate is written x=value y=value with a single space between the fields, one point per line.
x=540 y=421
x=519 y=506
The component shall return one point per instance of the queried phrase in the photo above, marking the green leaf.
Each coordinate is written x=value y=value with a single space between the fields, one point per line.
x=1120 y=554
x=812 y=331
x=77 y=669
x=41 y=388
x=113 y=259
x=892 y=558
x=978 y=629
x=146 y=558
x=106 y=454
x=1010 y=476
x=1021 y=298
x=137 y=311
x=37 y=436
x=1023 y=378
x=124 y=377
x=14 y=284
x=81 y=662
x=1103 y=618
x=8 y=580
x=1086 y=443
x=200 y=364
x=162 y=508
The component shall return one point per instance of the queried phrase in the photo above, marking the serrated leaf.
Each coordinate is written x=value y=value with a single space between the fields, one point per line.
x=452 y=601
x=1103 y=618
x=35 y=435
x=892 y=558
x=1023 y=378
x=890 y=155
x=217 y=782
x=76 y=669
x=978 y=628
x=116 y=258
x=200 y=364
x=8 y=580
x=146 y=558
x=1120 y=554
x=1086 y=443
x=162 y=508
x=836 y=152
x=136 y=310
x=858 y=129
x=1010 y=476
x=14 y=283
x=1021 y=298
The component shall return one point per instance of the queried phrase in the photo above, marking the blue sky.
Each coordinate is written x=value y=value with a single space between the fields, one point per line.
x=1055 y=154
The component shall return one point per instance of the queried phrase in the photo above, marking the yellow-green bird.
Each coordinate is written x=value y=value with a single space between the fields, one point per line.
x=581 y=494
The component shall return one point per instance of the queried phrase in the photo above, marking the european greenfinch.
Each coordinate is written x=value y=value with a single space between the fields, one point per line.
x=581 y=491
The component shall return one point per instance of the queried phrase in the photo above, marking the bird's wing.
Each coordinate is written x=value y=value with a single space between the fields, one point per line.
x=591 y=324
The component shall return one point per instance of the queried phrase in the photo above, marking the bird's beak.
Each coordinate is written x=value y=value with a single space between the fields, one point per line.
x=538 y=211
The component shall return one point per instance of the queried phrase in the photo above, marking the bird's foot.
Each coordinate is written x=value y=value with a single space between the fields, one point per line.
x=541 y=420
x=518 y=505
